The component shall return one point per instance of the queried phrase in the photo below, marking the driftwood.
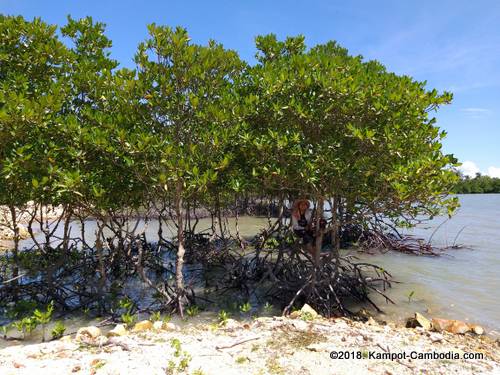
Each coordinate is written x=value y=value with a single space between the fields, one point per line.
x=237 y=343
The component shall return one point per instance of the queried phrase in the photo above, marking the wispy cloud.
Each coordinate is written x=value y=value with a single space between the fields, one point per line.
x=477 y=113
x=454 y=61
x=475 y=110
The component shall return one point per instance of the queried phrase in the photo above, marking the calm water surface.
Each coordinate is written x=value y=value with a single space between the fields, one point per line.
x=461 y=284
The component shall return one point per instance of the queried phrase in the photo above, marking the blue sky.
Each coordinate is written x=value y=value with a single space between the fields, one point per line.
x=453 y=45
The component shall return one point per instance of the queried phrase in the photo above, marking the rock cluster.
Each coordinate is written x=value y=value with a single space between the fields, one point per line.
x=440 y=325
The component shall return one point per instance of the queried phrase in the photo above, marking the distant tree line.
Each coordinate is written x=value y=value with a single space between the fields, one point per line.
x=480 y=184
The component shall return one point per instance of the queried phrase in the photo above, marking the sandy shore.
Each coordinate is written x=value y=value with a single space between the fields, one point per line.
x=23 y=216
x=274 y=345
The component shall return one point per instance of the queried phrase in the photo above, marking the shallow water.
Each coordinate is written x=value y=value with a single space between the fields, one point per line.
x=461 y=284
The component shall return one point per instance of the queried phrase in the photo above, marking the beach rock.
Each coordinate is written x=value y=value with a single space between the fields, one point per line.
x=440 y=325
x=458 y=327
x=308 y=310
x=143 y=325
x=423 y=321
x=164 y=326
x=452 y=326
x=419 y=321
x=119 y=330
x=85 y=333
x=477 y=329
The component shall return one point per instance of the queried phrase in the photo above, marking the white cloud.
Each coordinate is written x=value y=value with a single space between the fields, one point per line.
x=494 y=172
x=475 y=110
x=469 y=168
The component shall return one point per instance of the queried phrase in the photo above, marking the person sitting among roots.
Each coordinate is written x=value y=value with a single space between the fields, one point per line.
x=303 y=223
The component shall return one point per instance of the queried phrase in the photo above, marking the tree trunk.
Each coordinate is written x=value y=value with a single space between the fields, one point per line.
x=319 y=231
x=15 y=251
x=179 y=278
x=336 y=233
x=68 y=213
x=102 y=267
x=219 y=215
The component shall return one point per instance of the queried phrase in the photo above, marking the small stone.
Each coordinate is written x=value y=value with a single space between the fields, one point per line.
x=371 y=322
x=436 y=337
x=18 y=365
x=170 y=327
x=143 y=325
x=300 y=325
x=97 y=362
x=308 y=310
x=165 y=326
x=423 y=321
x=295 y=314
x=119 y=330
x=90 y=332
x=477 y=329
x=76 y=368
x=66 y=339
x=158 y=325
